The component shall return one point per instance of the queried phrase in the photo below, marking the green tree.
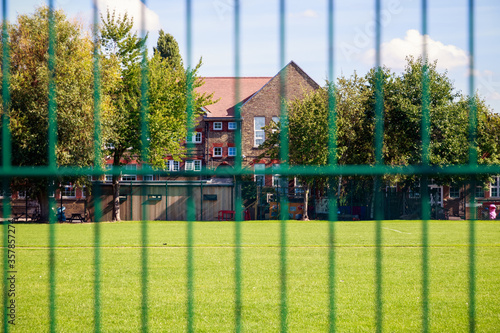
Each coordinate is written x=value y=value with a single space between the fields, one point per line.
x=29 y=82
x=168 y=49
x=308 y=130
x=308 y=139
x=449 y=119
x=355 y=108
x=166 y=102
x=123 y=121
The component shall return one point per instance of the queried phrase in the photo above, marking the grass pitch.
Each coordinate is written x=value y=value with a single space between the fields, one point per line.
x=307 y=276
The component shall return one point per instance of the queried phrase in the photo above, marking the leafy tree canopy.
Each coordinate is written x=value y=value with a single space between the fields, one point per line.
x=168 y=49
x=29 y=89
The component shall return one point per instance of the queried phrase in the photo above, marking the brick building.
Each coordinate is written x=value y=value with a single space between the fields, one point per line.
x=260 y=104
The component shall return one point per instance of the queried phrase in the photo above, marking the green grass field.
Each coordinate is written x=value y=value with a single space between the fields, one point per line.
x=307 y=259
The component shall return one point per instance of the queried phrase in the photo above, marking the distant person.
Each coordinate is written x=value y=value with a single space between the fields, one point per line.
x=493 y=212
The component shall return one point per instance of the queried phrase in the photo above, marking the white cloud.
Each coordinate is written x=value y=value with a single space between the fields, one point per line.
x=307 y=13
x=395 y=51
x=134 y=10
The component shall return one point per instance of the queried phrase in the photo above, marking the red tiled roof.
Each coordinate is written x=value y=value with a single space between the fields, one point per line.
x=224 y=88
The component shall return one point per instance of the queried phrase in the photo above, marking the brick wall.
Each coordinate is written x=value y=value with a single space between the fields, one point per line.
x=266 y=103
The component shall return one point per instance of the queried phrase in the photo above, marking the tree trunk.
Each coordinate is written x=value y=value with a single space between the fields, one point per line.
x=116 y=199
x=43 y=200
x=305 y=216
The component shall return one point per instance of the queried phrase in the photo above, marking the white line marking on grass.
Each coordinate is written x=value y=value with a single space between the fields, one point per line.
x=401 y=232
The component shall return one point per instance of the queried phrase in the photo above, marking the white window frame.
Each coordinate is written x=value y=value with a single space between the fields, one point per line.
x=231 y=151
x=193 y=165
x=232 y=125
x=216 y=126
x=21 y=194
x=148 y=178
x=198 y=137
x=479 y=192
x=68 y=189
x=197 y=165
x=276 y=181
x=173 y=165
x=130 y=177
x=195 y=138
x=215 y=154
x=108 y=178
x=495 y=187
x=440 y=190
x=297 y=185
x=456 y=190
x=259 y=135
x=259 y=176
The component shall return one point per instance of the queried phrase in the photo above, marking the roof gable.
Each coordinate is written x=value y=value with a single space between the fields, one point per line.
x=224 y=92
x=296 y=83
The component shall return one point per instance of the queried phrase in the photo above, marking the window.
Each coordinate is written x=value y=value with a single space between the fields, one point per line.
x=495 y=187
x=276 y=176
x=454 y=192
x=173 y=165
x=68 y=191
x=391 y=189
x=259 y=178
x=217 y=151
x=217 y=126
x=231 y=151
x=21 y=195
x=108 y=178
x=130 y=177
x=276 y=120
x=231 y=125
x=196 y=138
x=479 y=192
x=414 y=192
x=259 y=134
x=148 y=178
x=436 y=195
x=197 y=165
x=193 y=165
x=299 y=190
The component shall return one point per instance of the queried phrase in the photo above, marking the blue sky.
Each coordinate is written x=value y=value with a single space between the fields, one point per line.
x=306 y=35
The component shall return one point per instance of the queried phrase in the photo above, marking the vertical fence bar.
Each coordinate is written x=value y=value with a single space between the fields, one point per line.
x=379 y=137
x=425 y=133
x=472 y=162
x=52 y=134
x=238 y=160
x=97 y=165
x=332 y=160
x=144 y=154
x=6 y=137
x=189 y=233
x=6 y=159
x=284 y=164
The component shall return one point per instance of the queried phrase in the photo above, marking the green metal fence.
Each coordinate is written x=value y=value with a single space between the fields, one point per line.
x=425 y=170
